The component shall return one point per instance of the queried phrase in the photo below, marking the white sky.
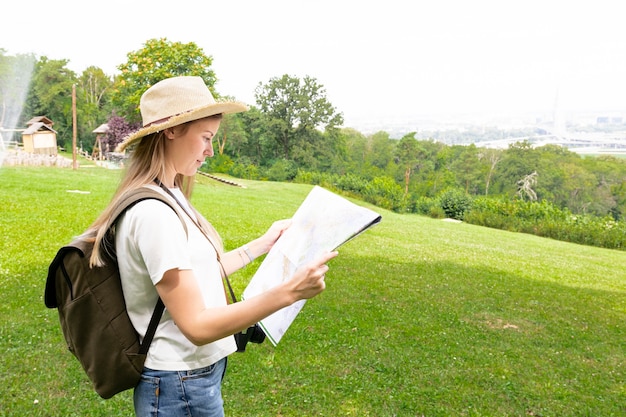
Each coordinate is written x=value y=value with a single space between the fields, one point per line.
x=378 y=60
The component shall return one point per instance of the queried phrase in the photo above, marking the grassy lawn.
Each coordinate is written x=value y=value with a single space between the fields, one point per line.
x=421 y=317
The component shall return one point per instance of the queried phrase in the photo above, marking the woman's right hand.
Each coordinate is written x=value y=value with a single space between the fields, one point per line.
x=308 y=280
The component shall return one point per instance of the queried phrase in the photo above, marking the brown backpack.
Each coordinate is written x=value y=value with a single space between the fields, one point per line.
x=92 y=310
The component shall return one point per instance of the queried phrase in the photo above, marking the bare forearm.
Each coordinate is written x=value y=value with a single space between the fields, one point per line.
x=202 y=325
x=242 y=256
x=218 y=322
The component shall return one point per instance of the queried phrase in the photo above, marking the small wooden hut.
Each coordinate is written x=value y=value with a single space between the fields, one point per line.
x=98 y=152
x=39 y=137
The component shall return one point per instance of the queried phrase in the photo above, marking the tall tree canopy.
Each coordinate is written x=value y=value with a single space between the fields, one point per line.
x=93 y=102
x=50 y=95
x=294 y=109
x=158 y=59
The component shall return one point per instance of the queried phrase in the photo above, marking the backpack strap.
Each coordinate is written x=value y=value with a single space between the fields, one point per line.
x=134 y=196
x=127 y=201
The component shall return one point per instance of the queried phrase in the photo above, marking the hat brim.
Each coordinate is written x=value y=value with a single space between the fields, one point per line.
x=195 y=114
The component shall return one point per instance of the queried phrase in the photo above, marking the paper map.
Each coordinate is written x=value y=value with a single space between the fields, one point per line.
x=322 y=223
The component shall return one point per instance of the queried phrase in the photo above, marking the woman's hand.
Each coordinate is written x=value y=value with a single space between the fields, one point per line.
x=263 y=244
x=308 y=280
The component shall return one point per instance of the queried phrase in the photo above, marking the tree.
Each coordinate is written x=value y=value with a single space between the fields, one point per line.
x=119 y=128
x=407 y=156
x=293 y=108
x=157 y=60
x=92 y=101
x=381 y=152
x=492 y=157
x=231 y=132
x=467 y=169
x=525 y=186
x=50 y=95
x=517 y=161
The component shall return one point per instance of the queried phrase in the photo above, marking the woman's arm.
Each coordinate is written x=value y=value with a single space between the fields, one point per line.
x=181 y=296
x=242 y=256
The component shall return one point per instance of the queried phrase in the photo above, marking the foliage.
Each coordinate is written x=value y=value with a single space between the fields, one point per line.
x=294 y=129
x=544 y=219
x=156 y=60
x=50 y=95
x=407 y=154
x=231 y=134
x=119 y=128
x=93 y=90
x=427 y=206
x=455 y=203
x=386 y=193
x=293 y=108
x=282 y=170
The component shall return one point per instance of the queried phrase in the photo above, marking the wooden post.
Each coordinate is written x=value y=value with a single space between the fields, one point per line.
x=74 y=162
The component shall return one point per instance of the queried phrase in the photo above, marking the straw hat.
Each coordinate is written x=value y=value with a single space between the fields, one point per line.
x=175 y=101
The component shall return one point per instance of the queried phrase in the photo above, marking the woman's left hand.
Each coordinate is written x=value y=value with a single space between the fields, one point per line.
x=267 y=240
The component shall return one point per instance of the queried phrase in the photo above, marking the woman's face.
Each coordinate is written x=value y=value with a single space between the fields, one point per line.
x=188 y=146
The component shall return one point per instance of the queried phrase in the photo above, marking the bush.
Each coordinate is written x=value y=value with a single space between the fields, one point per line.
x=546 y=220
x=218 y=163
x=386 y=193
x=427 y=206
x=351 y=183
x=249 y=171
x=455 y=203
x=282 y=170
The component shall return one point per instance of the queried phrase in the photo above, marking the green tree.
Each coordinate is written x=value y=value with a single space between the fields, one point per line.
x=489 y=158
x=92 y=102
x=518 y=161
x=50 y=95
x=356 y=150
x=231 y=133
x=580 y=187
x=468 y=169
x=433 y=169
x=259 y=148
x=407 y=157
x=381 y=153
x=158 y=59
x=294 y=108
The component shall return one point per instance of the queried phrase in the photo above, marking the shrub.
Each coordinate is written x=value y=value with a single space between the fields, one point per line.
x=282 y=170
x=386 y=193
x=352 y=183
x=249 y=171
x=455 y=203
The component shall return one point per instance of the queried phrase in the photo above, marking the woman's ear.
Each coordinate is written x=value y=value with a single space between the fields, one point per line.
x=169 y=133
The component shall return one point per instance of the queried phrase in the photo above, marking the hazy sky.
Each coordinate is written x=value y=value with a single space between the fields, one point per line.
x=378 y=60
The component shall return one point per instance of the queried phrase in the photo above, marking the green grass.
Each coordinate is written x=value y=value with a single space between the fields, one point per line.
x=420 y=316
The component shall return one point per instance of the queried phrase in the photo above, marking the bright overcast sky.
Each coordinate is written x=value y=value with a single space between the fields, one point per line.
x=377 y=59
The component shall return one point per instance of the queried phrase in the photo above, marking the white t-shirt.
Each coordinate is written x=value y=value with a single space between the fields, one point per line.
x=149 y=241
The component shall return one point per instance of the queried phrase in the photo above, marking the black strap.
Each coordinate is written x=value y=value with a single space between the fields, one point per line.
x=154 y=322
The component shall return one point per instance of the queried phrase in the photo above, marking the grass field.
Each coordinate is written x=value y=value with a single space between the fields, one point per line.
x=421 y=317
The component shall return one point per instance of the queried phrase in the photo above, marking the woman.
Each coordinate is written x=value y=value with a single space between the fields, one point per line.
x=157 y=257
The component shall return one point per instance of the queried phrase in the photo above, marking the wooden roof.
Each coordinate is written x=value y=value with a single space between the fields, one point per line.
x=36 y=127
x=40 y=119
x=103 y=128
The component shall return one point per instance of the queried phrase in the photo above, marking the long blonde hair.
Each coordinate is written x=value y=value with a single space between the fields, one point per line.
x=147 y=164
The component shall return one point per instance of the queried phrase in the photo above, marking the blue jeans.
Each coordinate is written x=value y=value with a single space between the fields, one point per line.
x=195 y=393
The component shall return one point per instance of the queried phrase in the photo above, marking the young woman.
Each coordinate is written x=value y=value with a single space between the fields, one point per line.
x=158 y=258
